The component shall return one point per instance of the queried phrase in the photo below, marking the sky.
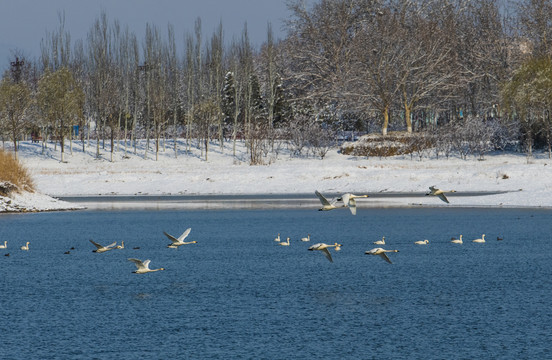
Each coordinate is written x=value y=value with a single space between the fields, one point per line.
x=23 y=23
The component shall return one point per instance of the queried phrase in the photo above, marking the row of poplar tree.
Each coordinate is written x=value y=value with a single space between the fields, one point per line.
x=342 y=65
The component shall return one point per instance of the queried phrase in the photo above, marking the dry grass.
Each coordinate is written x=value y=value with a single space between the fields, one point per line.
x=395 y=143
x=13 y=176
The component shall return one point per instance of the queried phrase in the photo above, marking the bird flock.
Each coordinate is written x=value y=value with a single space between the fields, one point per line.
x=347 y=200
x=142 y=266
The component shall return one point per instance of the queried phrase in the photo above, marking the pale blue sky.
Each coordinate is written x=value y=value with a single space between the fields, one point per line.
x=23 y=23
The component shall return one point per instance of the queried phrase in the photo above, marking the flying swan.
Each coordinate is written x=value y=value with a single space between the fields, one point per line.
x=180 y=241
x=381 y=252
x=324 y=248
x=101 y=248
x=439 y=193
x=326 y=204
x=350 y=202
x=143 y=266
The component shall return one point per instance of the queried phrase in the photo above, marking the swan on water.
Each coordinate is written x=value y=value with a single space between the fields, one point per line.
x=277 y=238
x=143 y=266
x=25 y=247
x=456 y=241
x=327 y=204
x=380 y=242
x=433 y=191
x=324 y=248
x=101 y=248
x=481 y=240
x=306 y=238
x=122 y=246
x=421 y=242
x=180 y=241
x=381 y=252
x=284 y=243
x=5 y=246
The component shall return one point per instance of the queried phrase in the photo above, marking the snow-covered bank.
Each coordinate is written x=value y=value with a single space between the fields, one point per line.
x=34 y=202
x=524 y=183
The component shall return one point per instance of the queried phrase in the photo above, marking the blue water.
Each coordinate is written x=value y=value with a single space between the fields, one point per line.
x=237 y=294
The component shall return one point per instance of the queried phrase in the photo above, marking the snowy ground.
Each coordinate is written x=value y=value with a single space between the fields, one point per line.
x=524 y=182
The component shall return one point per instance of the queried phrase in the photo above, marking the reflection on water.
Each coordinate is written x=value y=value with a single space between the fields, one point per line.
x=236 y=293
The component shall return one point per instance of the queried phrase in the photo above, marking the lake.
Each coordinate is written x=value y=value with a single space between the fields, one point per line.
x=238 y=294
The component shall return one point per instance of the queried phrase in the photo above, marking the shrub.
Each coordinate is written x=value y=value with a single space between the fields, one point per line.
x=396 y=143
x=13 y=176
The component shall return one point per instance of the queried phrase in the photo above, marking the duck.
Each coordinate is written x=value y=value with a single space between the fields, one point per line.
x=433 y=191
x=101 y=248
x=143 y=266
x=5 y=246
x=180 y=241
x=306 y=238
x=277 y=238
x=456 y=241
x=380 y=242
x=481 y=240
x=498 y=238
x=286 y=243
x=350 y=202
x=122 y=246
x=380 y=252
x=328 y=204
x=324 y=248
x=421 y=242
x=25 y=247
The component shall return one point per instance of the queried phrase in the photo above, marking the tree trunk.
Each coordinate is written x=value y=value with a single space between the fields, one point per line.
x=407 y=115
x=385 y=120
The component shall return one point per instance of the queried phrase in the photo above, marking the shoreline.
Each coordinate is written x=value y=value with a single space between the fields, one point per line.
x=269 y=201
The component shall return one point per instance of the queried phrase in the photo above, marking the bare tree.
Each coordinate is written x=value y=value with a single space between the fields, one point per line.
x=15 y=101
x=61 y=101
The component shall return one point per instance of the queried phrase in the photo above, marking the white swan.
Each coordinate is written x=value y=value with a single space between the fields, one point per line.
x=122 y=246
x=285 y=243
x=143 y=266
x=180 y=241
x=350 y=202
x=324 y=248
x=25 y=247
x=5 y=246
x=457 y=241
x=101 y=248
x=306 y=238
x=482 y=240
x=421 y=242
x=326 y=204
x=439 y=193
x=277 y=238
x=380 y=242
x=381 y=252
